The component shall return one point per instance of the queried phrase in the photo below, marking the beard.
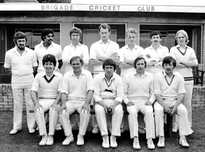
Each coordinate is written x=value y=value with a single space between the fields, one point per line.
x=21 y=47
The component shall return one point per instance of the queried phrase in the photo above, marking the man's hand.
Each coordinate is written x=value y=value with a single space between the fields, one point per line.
x=148 y=103
x=174 y=109
x=85 y=107
x=38 y=106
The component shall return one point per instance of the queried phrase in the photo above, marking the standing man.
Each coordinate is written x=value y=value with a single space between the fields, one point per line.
x=47 y=46
x=45 y=93
x=77 y=93
x=155 y=53
x=21 y=61
x=169 y=92
x=74 y=49
x=139 y=97
x=103 y=49
x=108 y=94
x=129 y=52
x=186 y=59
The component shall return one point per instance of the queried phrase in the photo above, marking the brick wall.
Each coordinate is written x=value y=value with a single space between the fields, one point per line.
x=6 y=97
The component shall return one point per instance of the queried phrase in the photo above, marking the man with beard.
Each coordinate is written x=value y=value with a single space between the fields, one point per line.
x=139 y=96
x=155 y=53
x=170 y=91
x=22 y=63
x=47 y=46
x=108 y=94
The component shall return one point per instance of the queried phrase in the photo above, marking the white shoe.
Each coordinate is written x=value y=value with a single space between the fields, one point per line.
x=113 y=142
x=95 y=130
x=43 y=141
x=161 y=142
x=68 y=140
x=14 y=131
x=49 y=140
x=183 y=142
x=150 y=144
x=136 y=144
x=31 y=131
x=80 y=140
x=105 y=143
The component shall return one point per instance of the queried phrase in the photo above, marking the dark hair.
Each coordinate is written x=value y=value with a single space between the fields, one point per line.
x=155 y=33
x=168 y=60
x=19 y=35
x=110 y=62
x=104 y=26
x=75 y=30
x=45 y=32
x=49 y=58
x=76 y=58
x=138 y=59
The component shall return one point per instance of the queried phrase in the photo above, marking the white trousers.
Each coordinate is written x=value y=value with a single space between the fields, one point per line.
x=188 y=99
x=19 y=96
x=182 y=120
x=71 y=107
x=147 y=110
x=40 y=117
x=116 y=121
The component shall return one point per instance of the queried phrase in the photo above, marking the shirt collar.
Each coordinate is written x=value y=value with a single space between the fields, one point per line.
x=79 y=44
x=25 y=51
x=135 y=47
x=81 y=74
x=112 y=78
x=41 y=44
x=100 y=41
x=142 y=76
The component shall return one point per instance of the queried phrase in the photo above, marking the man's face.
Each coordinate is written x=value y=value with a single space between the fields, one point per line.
x=21 y=43
x=109 y=70
x=168 y=68
x=131 y=38
x=156 y=39
x=181 y=39
x=76 y=65
x=104 y=34
x=75 y=37
x=49 y=67
x=49 y=38
x=140 y=66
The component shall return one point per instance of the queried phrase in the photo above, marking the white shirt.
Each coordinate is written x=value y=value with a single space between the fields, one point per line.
x=70 y=51
x=104 y=89
x=128 y=55
x=157 y=55
x=168 y=87
x=41 y=51
x=21 y=67
x=106 y=50
x=77 y=87
x=188 y=55
x=139 y=87
x=47 y=87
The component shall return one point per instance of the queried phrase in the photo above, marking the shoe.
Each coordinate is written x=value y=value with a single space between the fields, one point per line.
x=80 y=140
x=58 y=127
x=95 y=130
x=43 y=141
x=113 y=142
x=14 y=131
x=136 y=144
x=49 y=141
x=105 y=143
x=161 y=142
x=31 y=131
x=68 y=140
x=150 y=144
x=183 y=142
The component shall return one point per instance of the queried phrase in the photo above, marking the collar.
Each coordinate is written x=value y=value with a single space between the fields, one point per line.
x=160 y=46
x=50 y=78
x=41 y=44
x=15 y=49
x=101 y=42
x=79 y=44
x=135 y=47
x=141 y=76
x=81 y=74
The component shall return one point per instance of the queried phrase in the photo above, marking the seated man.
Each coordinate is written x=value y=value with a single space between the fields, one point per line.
x=45 y=94
x=77 y=93
x=139 y=96
x=170 y=91
x=108 y=97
